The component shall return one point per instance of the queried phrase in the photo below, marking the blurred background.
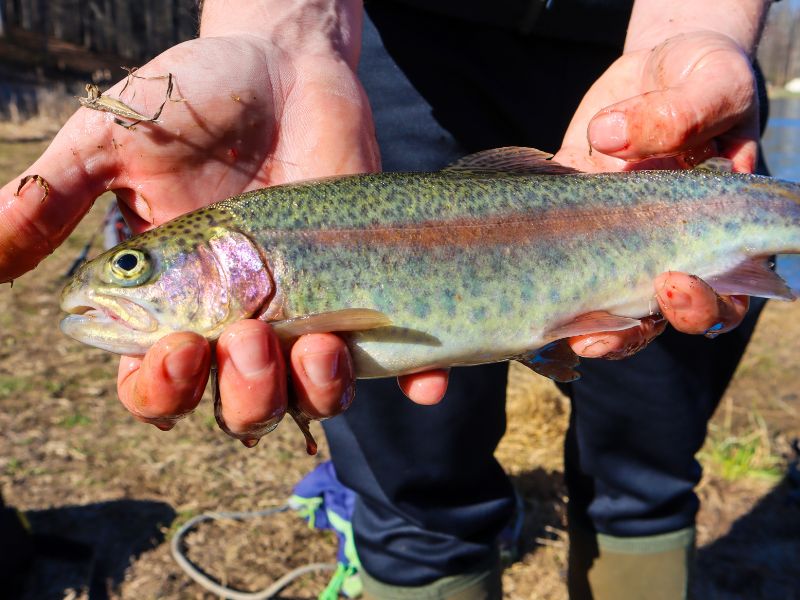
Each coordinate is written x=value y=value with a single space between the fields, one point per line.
x=105 y=494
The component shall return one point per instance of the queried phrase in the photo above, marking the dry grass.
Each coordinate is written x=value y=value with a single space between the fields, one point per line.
x=51 y=108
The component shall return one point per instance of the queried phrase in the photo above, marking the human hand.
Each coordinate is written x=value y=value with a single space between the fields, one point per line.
x=277 y=117
x=670 y=107
x=673 y=106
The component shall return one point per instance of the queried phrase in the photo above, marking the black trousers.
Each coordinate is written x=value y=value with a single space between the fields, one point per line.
x=431 y=497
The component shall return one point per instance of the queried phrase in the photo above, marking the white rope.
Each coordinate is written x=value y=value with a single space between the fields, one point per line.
x=212 y=586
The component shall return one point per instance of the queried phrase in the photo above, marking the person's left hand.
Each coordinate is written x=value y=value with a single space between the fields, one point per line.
x=670 y=107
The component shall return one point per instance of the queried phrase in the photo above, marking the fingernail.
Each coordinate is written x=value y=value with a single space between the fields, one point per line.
x=250 y=442
x=250 y=353
x=675 y=298
x=184 y=362
x=321 y=368
x=609 y=132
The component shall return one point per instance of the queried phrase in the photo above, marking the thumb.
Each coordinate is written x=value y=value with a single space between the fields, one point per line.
x=713 y=100
x=38 y=213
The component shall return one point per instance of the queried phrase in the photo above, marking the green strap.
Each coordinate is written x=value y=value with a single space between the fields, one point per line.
x=344 y=579
x=346 y=528
x=306 y=507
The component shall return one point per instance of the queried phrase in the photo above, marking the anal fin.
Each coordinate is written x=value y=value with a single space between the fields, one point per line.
x=556 y=360
x=753 y=277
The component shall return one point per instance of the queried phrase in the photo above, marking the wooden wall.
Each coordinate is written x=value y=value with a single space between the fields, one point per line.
x=132 y=29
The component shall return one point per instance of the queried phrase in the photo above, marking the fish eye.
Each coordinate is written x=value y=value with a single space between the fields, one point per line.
x=127 y=262
x=129 y=267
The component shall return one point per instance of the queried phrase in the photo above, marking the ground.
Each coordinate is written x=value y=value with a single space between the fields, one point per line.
x=82 y=468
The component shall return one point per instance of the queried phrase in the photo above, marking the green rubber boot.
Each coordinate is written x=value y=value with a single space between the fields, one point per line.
x=602 y=567
x=485 y=584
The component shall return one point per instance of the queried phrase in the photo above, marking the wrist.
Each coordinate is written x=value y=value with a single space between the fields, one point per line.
x=300 y=27
x=653 y=22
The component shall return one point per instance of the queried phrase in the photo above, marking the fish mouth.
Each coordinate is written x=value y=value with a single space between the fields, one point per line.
x=104 y=310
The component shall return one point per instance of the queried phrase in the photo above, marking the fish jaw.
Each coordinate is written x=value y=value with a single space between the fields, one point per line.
x=109 y=322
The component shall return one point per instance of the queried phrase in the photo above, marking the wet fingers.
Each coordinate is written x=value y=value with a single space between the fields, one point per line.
x=251 y=398
x=425 y=388
x=691 y=306
x=619 y=344
x=168 y=382
x=322 y=375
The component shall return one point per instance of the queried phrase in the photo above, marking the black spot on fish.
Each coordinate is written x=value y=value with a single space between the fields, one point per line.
x=479 y=314
x=733 y=227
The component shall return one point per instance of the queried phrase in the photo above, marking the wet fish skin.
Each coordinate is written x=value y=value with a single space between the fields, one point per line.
x=469 y=266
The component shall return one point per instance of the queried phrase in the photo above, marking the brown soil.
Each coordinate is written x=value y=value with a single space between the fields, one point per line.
x=83 y=468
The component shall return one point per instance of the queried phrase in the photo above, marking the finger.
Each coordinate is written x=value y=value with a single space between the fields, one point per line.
x=76 y=168
x=252 y=380
x=618 y=344
x=741 y=149
x=168 y=382
x=426 y=388
x=709 y=102
x=322 y=375
x=691 y=306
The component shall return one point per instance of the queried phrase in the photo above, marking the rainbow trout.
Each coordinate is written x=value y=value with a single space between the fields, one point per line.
x=490 y=259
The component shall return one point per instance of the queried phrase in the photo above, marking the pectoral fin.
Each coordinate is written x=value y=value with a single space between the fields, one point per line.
x=348 y=319
x=555 y=360
x=595 y=322
x=754 y=277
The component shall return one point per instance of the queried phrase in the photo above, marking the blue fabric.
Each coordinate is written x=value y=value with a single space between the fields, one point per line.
x=324 y=493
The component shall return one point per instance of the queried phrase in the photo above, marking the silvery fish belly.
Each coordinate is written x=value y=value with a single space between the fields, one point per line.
x=489 y=259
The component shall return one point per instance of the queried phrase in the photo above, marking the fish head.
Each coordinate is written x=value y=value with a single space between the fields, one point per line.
x=166 y=280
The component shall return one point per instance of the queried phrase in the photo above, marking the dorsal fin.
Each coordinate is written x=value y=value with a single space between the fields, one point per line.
x=512 y=159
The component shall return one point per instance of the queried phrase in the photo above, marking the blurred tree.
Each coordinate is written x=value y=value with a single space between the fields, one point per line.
x=132 y=29
x=779 y=52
